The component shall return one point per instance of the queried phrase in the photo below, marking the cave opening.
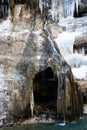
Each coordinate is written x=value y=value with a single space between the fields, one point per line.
x=45 y=85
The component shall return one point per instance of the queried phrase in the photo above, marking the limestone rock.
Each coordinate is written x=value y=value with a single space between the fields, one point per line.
x=35 y=78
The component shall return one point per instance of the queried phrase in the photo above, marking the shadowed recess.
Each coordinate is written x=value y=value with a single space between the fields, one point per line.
x=45 y=86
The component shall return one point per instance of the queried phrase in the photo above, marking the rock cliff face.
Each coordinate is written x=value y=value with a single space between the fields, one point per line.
x=35 y=79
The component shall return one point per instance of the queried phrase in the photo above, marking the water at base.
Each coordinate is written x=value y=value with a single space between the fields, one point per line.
x=79 y=125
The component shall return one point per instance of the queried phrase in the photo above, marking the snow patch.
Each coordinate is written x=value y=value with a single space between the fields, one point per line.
x=81 y=72
x=74 y=60
x=84 y=60
x=5 y=25
x=65 y=42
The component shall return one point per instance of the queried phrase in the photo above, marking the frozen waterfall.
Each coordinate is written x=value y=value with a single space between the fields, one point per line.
x=55 y=8
x=60 y=8
x=70 y=6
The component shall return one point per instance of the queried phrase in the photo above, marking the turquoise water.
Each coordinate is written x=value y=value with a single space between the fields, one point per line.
x=80 y=125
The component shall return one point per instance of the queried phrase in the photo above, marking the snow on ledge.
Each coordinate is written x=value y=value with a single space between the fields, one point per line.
x=80 y=73
x=5 y=25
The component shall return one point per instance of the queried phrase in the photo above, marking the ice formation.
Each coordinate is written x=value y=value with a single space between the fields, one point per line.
x=70 y=6
x=54 y=11
x=55 y=8
x=41 y=6
x=32 y=103
x=60 y=8
x=49 y=37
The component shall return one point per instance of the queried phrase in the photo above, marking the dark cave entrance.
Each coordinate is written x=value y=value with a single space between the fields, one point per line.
x=45 y=85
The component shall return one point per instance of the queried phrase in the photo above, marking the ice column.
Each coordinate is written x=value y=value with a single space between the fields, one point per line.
x=69 y=7
x=32 y=104
x=41 y=6
x=61 y=9
x=53 y=10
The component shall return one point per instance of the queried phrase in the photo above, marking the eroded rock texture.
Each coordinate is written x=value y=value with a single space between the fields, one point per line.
x=35 y=78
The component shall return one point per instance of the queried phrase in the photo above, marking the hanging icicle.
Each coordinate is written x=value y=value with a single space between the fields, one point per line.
x=77 y=5
x=41 y=5
x=53 y=8
x=32 y=104
x=70 y=7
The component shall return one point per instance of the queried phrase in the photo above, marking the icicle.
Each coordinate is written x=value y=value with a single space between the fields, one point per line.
x=18 y=10
x=2 y=1
x=61 y=9
x=41 y=6
x=73 y=7
x=32 y=104
x=53 y=10
x=69 y=7
x=9 y=14
x=82 y=51
x=77 y=5
x=78 y=2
